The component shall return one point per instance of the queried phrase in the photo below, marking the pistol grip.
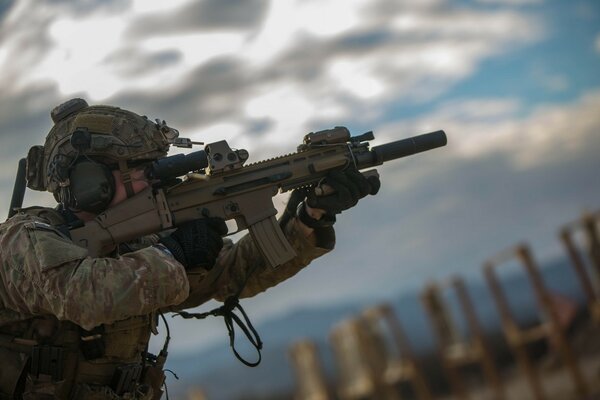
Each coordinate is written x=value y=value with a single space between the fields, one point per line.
x=271 y=241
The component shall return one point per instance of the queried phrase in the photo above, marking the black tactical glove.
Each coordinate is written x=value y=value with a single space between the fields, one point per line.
x=197 y=243
x=296 y=197
x=349 y=185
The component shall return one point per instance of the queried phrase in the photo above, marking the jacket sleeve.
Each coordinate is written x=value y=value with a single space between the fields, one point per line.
x=242 y=267
x=43 y=272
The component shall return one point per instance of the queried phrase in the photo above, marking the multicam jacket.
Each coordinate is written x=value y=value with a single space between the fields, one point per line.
x=97 y=313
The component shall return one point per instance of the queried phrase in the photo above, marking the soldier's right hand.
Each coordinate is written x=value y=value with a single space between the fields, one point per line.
x=197 y=243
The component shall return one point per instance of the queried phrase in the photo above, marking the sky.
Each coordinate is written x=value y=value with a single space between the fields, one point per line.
x=514 y=83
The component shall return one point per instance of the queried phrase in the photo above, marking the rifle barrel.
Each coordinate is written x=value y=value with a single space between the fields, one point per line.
x=410 y=146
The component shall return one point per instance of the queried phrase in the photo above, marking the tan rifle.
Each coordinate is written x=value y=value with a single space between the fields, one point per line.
x=217 y=183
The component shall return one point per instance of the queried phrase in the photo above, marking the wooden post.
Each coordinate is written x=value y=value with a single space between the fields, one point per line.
x=557 y=333
x=355 y=377
x=550 y=330
x=578 y=265
x=447 y=336
x=485 y=355
x=398 y=362
x=512 y=332
x=457 y=351
x=588 y=224
x=308 y=370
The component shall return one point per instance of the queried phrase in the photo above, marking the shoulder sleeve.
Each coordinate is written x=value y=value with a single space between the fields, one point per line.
x=242 y=266
x=43 y=272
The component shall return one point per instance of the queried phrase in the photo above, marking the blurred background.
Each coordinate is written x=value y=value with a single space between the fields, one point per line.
x=514 y=83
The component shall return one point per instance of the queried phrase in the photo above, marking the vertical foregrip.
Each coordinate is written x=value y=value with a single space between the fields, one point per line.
x=271 y=241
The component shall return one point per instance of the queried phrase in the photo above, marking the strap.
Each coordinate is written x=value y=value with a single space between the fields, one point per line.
x=16 y=344
x=227 y=311
x=126 y=175
x=232 y=302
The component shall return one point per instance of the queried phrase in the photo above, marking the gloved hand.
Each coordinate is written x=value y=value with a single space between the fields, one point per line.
x=349 y=185
x=197 y=243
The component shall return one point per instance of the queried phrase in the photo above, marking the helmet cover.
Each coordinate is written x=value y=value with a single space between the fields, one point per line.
x=109 y=135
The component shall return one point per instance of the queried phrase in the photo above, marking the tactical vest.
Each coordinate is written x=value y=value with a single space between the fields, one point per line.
x=44 y=358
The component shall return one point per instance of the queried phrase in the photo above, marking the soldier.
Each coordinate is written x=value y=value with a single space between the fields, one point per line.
x=77 y=327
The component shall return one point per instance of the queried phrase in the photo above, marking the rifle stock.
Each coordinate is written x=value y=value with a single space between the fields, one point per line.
x=229 y=190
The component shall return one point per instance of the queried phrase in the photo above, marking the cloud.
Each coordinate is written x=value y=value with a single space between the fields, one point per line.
x=212 y=92
x=372 y=53
x=598 y=43
x=25 y=117
x=355 y=72
x=203 y=16
x=22 y=44
x=478 y=128
x=25 y=30
x=5 y=7
x=549 y=81
x=407 y=45
x=502 y=178
x=511 y=2
x=24 y=122
x=133 y=62
x=480 y=109
x=86 y=7
x=50 y=42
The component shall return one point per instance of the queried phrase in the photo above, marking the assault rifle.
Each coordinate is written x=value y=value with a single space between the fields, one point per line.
x=217 y=183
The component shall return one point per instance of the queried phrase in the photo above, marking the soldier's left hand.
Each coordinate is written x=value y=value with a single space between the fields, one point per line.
x=349 y=187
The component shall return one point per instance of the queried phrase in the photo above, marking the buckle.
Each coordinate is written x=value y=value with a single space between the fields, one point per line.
x=91 y=342
x=92 y=346
x=126 y=378
x=47 y=360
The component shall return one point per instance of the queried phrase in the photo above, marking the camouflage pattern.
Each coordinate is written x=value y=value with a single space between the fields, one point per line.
x=61 y=280
x=43 y=272
x=116 y=135
x=49 y=288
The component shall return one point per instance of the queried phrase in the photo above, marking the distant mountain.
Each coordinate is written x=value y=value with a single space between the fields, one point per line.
x=222 y=377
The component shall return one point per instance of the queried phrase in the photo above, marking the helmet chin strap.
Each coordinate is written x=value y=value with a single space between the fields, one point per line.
x=126 y=176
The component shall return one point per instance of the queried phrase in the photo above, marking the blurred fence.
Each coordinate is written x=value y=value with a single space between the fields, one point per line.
x=374 y=359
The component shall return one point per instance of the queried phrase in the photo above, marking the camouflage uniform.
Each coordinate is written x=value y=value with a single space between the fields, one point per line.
x=53 y=293
x=77 y=327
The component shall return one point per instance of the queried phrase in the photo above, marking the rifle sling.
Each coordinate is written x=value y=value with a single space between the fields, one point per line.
x=227 y=311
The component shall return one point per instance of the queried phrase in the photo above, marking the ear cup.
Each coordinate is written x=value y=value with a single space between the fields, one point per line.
x=92 y=186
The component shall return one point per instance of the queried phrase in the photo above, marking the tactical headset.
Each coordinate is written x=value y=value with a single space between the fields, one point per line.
x=92 y=186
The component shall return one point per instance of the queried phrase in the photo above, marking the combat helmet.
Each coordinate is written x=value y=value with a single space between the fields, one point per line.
x=83 y=147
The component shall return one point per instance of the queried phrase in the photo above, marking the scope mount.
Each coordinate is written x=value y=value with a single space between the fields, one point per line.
x=221 y=157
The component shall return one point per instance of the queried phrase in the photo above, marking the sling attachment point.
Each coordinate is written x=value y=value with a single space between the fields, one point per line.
x=227 y=311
